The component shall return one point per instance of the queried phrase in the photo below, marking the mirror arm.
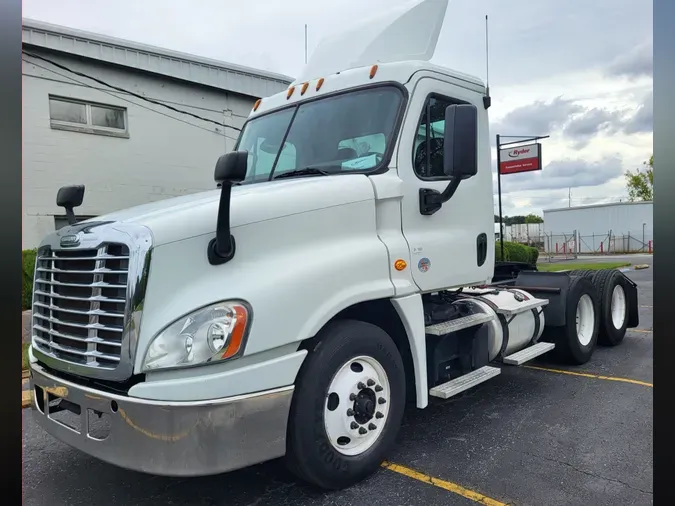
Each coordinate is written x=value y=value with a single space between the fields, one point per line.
x=222 y=247
x=432 y=200
x=70 y=215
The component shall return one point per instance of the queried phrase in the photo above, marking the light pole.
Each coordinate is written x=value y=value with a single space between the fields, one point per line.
x=643 y=236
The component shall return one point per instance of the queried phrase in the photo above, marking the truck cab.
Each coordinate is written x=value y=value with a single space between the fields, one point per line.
x=341 y=271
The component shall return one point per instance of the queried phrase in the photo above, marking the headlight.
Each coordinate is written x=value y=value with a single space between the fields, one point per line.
x=210 y=334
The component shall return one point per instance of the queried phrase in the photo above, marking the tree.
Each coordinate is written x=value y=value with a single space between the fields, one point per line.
x=640 y=183
x=533 y=218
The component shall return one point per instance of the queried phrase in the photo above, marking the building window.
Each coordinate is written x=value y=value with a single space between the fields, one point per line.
x=61 y=221
x=86 y=117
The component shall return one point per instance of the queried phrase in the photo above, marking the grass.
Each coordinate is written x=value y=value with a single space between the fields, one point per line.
x=24 y=356
x=594 y=266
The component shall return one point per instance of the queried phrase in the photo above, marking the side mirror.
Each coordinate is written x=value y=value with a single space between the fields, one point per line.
x=70 y=197
x=231 y=167
x=460 y=145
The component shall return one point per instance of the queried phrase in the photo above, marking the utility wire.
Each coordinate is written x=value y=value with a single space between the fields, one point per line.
x=122 y=90
x=122 y=98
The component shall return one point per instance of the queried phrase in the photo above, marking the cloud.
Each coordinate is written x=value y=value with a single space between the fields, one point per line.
x=565 y=173
x=538 y=118
x=636 y=63
x=577 y=123
x=589 y=123
x=643 y=119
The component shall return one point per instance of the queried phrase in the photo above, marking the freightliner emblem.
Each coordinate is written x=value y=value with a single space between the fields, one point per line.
x=69 y=240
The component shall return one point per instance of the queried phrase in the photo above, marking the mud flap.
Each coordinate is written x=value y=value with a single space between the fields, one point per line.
x=630 y=288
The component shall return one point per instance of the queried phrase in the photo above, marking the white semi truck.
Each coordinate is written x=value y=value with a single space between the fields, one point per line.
x=344 y=267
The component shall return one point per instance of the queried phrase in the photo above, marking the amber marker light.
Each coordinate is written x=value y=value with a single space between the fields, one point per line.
x=319 y=84
x=304 y=88
x=290 y=92
x=237 y=338
x=257 y=104
x=400 y=264
x=373 y=71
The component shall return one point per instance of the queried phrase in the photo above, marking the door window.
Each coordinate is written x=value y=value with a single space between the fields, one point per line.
x=428 y=146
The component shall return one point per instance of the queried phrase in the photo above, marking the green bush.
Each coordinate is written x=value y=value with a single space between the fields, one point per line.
x=28 y=269
x=516 y=252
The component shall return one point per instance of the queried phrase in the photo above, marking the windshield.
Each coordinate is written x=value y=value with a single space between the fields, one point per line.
x=349 y=132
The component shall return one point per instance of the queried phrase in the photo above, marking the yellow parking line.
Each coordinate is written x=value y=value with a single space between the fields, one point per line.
x=590 y=375
x=445 y=485
x=645 y=331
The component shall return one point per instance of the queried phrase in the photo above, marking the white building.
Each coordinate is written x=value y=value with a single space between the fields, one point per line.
x=616 y=227
x=133 y=123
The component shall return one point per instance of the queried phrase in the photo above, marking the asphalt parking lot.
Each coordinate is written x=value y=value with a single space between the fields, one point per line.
x=534 y=435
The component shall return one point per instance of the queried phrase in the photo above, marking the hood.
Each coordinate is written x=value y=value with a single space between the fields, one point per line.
x=192 y=215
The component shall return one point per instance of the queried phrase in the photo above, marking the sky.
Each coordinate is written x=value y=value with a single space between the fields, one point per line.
x=578 y=71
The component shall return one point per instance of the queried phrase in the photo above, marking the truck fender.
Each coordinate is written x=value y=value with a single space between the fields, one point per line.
x=411 y=312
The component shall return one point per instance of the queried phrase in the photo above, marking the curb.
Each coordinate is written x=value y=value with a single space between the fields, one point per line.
x=26 y=399
x=26 y=395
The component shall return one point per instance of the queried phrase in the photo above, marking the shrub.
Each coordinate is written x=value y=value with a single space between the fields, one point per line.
x=28 y=269
x=516 y=252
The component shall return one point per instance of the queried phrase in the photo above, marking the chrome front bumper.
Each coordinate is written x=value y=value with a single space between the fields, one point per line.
x=170 y=439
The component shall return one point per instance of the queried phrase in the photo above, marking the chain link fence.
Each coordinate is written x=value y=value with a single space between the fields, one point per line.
x=563 y=246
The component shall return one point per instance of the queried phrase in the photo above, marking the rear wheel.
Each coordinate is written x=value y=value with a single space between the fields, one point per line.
x=575 y=342
x=613 y=306
x=347 y=406
x=584 y=273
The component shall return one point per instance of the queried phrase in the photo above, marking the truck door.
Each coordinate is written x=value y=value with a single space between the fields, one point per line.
x=455 y=245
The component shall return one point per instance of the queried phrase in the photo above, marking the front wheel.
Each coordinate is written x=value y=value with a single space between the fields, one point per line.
x=347 y=406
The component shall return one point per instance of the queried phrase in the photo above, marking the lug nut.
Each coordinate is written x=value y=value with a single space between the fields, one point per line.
x=354 y=425
x=362 y=431
x=379 y=415
x=371 y=383
x=350 y=412
x=378 y=388
x=360 y=386
x=381 y=400
x=352 y=397
x=372 y=426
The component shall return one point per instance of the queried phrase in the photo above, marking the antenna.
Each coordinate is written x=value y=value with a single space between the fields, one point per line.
x=486 y=99
x=487 y=58
x=305 y=44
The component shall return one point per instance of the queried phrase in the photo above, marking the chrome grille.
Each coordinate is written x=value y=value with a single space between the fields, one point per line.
x=79 y=304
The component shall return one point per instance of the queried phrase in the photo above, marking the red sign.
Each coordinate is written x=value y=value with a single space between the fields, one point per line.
x=525 y=158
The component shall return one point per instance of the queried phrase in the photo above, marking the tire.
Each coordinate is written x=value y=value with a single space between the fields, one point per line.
x=611 y=286
x=582 y=273
x=573 y=347
x=317 y=416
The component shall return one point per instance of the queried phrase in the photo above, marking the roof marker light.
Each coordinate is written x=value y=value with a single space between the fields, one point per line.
x=290 y=92
x=257 y=104
x=319 y=84
x=373 y=71
x=304 y=88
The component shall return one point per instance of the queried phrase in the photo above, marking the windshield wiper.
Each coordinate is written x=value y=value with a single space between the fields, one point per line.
x=307 y=171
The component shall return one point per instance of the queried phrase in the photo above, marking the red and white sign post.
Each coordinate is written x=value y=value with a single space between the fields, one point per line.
x=514 y=160
x=524 y=158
